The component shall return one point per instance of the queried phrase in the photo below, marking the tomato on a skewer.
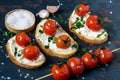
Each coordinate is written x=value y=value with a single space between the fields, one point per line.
x=104 y=55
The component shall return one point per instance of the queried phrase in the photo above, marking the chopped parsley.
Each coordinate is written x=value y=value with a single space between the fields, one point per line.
x=47 y=46
x=75 y=46
x=79 y=23
x=41 y=26
x=52 y=38
x=40 y=31
x=15 y=52
x=18 y=55
x=100 y=34
x=101 y=21
x=76 y=7
x=7 y=34
x=82 y=51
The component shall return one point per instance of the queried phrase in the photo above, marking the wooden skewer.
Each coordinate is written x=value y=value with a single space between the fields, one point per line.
x=40 y=78
x=115 y=50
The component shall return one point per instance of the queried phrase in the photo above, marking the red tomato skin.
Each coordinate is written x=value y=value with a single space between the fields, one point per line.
x=60 y=43
x=60 y=73
x=93 y=24
x=104 y=55
x=31 y=52
x=82 y=10
x=50 y=28
x=22 y=39
x=76 y=65
x=89 y=60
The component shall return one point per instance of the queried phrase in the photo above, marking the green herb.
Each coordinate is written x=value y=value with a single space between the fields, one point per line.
x=54 y=38
x=50 y=38
x=82 y=51
x=101 y=21
x=75 y=46
x=40 y=31
x=51 y=65
x=46 y=46
x=60 y=18
x=18 y=55
x=76 y=7
x=7 y=34
x=79 y=23
x=15 y=52
x=100 y=34
x=41 y=26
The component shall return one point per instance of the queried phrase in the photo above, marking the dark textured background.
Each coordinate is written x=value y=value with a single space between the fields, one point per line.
x=109 y=9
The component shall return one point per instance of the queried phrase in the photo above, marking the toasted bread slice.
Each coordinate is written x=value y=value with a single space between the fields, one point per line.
x=84 y=33
x=42 y=40
x=15 y=53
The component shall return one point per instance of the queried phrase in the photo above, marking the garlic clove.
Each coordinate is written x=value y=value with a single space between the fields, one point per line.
x=43 y=13
x=53 y=9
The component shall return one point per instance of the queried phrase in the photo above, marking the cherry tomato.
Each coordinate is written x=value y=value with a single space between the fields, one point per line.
x=60 y=73
x=63 y=41
x=49 y=27
x=104 y=55
x=92 y=23
x=31 y=52
x=82 y=10
x=76 y=65
x=89 y=60
x=22 y=39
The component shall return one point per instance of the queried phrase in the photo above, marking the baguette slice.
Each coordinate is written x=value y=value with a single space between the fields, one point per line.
x=19 y=59
x=85 y=33
x=42 y=40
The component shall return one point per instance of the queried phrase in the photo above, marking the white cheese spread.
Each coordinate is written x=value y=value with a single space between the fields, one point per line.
x=43 y=38
x=21 y=58
x=85 y=31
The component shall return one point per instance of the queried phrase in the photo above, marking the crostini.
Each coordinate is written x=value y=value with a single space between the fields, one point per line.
x=22 y=54
x=53 y=40
x=87 y=26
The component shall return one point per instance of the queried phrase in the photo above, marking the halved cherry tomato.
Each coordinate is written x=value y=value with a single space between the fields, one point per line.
x=60 y=73
x=82 y=10
x=104 y=55
x=76 y=65
x=22 y=39
x=31 y=52
x=63 y=41
x=92 y=23
x=89 y=60
x=49 y=27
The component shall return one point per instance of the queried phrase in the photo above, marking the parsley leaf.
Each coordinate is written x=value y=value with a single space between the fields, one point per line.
x=75 y=46
x=46 y=46
x=40 y=31
x=79 y=23
x=15 y=52
x=100 y=34
x=7 y=34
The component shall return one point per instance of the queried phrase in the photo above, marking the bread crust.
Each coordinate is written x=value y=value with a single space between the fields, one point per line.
x=51 y=52
x=84 y=38
x=16 y=30
x=15 y=61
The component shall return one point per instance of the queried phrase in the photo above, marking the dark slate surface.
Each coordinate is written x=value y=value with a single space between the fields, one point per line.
x=105 y=8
